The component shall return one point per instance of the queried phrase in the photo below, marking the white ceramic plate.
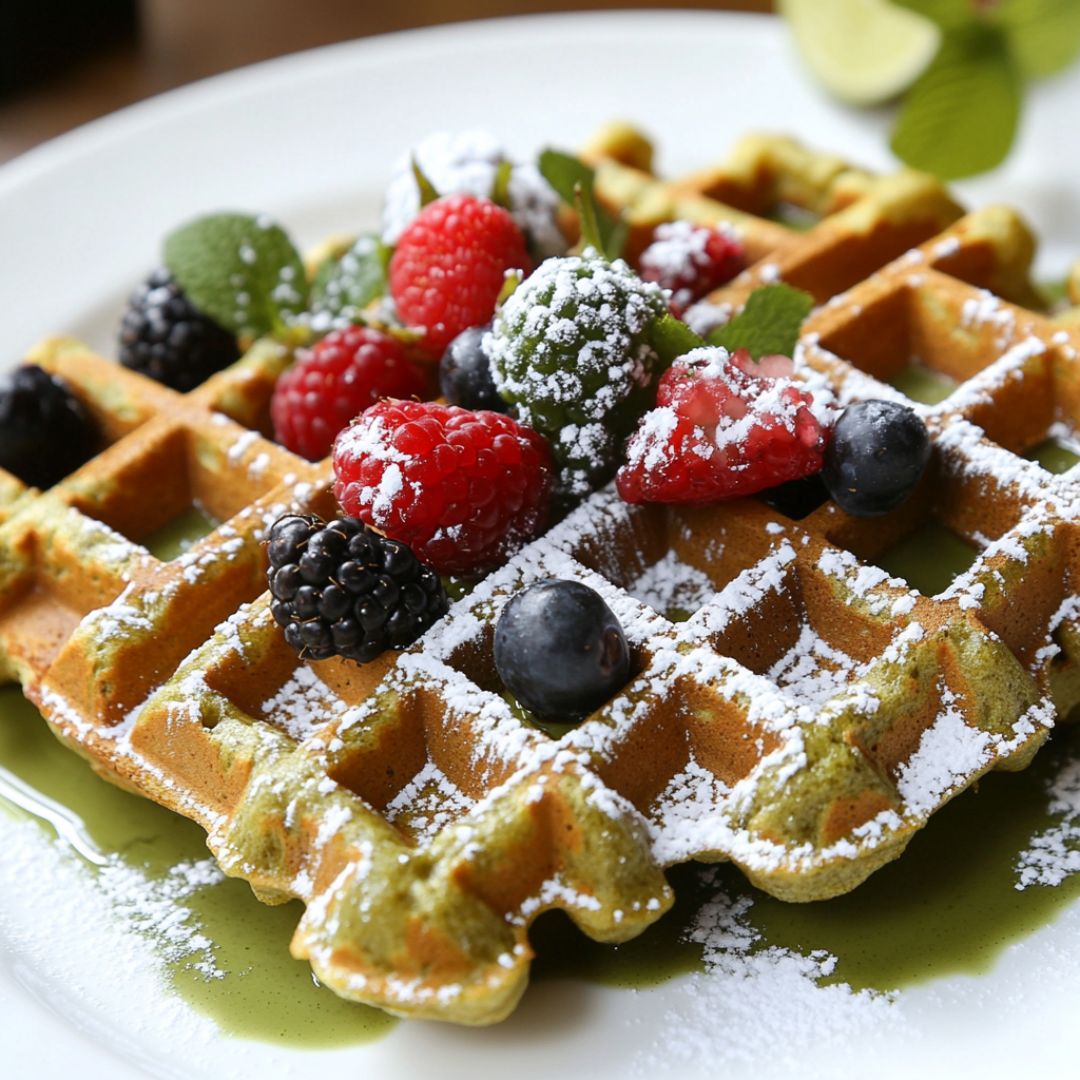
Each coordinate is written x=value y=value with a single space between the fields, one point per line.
x=310 y=139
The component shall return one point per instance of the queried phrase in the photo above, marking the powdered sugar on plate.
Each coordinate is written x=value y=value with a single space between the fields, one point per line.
x=752 y=994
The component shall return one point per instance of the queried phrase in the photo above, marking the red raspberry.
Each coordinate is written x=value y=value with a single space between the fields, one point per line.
x=461 y=488
x=724 y=427
x=450 y=264
x=690 y=260
x=336 y=380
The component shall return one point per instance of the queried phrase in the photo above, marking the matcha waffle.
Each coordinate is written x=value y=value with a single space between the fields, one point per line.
x=791 y=707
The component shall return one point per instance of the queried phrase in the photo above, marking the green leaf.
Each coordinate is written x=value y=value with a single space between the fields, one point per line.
x=769 y=322
x=500 y=186
x=567 y=174
x=344 y=286
x=672 y=338
x=961 y=115
x=1044 y=35
x=511 y=281
x=564 y=172
x=948 y=14
x=428 y=193
x=242 y=271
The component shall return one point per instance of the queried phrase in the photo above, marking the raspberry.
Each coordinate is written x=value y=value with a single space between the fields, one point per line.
x=724 y=427
x=337 y=380
x=461 y=488
x=340 y=589
x=450 y=265
x=163 y=335
x=469 y=162
x=571 y=350
x=690 y=261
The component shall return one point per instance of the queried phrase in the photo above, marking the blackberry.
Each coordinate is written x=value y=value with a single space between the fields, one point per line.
x=45 y=432
x=560 y=650
x=341 y=589
x=877 y=455
x=165 y=336
x=465 y=373
x=571 y=351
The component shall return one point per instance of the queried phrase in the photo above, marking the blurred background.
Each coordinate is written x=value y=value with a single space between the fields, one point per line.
x=63 y=64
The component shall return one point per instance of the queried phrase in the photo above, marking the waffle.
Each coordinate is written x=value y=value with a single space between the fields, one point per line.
x=792 y=708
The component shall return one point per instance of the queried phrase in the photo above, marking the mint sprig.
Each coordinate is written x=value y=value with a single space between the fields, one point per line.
x=242 y=271
x=768 y=324
x=568 y=175
x=345 y=286
x=960 y=117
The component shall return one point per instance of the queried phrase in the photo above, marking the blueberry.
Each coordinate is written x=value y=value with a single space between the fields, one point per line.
x=560 y=650
x=877 y=455
x=465 y=373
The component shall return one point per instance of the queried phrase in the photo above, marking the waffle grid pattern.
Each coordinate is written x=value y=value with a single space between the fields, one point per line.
x=792 y=708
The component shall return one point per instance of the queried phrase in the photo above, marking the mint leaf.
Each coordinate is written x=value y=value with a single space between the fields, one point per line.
x=769 y=323
x=1044 y=35
x=343 y=287
x=960 y=116
x=672 y=338
x=240 y=270
x=948 y=14
x=567 y=174
x=564 y=172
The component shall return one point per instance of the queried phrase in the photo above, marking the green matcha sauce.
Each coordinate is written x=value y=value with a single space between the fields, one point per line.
x=921 y=383
x=929 y=559
x=265 y=994
x=948 y=906
x=1054 y=456
x=180 y=534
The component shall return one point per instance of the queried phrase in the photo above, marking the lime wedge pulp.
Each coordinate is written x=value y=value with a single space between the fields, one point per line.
x=863 y=51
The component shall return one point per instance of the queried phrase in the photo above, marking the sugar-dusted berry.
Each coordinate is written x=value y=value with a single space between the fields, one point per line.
x=571 y=351
x=463 y=489
x=691 y=260
x=163 y=335
x=724 y=427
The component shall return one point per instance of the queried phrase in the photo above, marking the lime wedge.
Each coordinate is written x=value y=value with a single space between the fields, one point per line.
x=863 y=51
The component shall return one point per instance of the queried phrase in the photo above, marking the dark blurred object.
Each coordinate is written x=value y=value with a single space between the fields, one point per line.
x=40 y=38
